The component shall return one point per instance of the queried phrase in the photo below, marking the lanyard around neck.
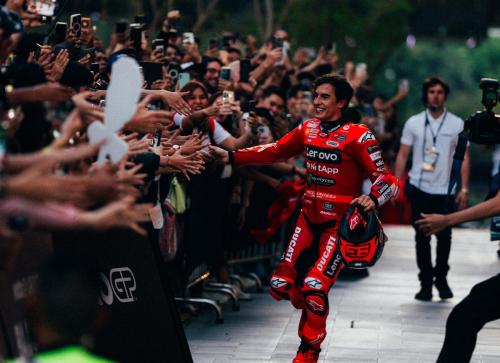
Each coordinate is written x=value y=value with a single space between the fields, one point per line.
x=427 y=123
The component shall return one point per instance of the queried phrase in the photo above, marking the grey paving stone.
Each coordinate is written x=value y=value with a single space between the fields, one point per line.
x=371 y=320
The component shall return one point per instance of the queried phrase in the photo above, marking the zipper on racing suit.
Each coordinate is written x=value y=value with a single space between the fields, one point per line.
x=327 y=131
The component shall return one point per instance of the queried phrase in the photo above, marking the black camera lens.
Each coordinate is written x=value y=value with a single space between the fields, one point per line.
x=173 y=73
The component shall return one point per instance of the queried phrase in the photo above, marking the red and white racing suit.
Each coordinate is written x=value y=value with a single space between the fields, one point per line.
x=339 y=156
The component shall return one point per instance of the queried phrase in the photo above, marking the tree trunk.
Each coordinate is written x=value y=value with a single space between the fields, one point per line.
x=258 y=18
x=269 y=18
x=284 y=14
x=158 y=12
x=203 y=17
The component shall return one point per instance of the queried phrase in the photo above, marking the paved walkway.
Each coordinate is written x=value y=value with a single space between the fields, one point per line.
x=374 y=319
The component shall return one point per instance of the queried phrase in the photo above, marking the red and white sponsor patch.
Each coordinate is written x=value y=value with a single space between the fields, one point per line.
x=367 y=136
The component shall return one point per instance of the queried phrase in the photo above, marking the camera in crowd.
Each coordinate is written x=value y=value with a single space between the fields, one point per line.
x=483 y=127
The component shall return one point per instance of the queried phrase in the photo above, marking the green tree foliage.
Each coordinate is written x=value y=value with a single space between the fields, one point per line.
x=461 y=66
x=361 y=29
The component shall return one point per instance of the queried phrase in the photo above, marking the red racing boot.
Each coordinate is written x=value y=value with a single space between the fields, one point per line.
x=306 y=354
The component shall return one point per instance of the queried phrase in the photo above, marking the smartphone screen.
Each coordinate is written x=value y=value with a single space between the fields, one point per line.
x=87 y=24
x=152 y=71
x=173 y=71
x=184 y=78
x=225 y=73
x=277 y=42
x=136 y=35
x=187 y=38
x=60 y=32
x=76 y=25
x=94 y=68
x=244 y=69
x=41 y=7
x=227 y=96
x=404 y=85
x=159 y=46
x=251 y=106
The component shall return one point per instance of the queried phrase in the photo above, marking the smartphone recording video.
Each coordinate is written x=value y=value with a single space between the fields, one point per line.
x=225 y=73
x=44 y=8
x=60 y=32
x=75 y=25
x=140 y=19
x=277 y=42
x=404 y=85
x=86 y=25
x=136 y=36
x=184 y=78
x=152 y=71
x=94 y=68
x=187 y=38
x=227 y=99
x=251 y=106
x=159 y=46
x=173 y=71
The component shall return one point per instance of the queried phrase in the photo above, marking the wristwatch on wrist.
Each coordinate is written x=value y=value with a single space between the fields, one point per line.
x=176 y=147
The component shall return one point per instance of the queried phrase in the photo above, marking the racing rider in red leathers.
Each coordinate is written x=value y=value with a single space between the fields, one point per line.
x=339 y=156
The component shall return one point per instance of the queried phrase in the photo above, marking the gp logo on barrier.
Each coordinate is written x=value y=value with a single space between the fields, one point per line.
x=120 y=284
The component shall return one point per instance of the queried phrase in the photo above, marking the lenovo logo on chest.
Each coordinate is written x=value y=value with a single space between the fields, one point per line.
x=323 y=155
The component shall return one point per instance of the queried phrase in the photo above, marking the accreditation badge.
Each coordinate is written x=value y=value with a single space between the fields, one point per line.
x=430 y=159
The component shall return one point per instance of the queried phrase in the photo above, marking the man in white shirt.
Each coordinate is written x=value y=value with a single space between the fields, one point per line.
x=432 y=137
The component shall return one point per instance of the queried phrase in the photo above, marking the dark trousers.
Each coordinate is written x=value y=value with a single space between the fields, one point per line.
x=422 y=202
x=481 y=306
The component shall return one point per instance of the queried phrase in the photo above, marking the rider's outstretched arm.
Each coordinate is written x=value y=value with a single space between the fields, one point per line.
x=289 y=145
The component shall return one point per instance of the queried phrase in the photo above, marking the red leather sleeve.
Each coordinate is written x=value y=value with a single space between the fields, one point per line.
x=367 y=152
x=289 y=145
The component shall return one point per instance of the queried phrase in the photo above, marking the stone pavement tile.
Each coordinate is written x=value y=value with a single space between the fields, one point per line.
x=203 y=358
x=205 y=343
x=432 y=330
x=388 y=323
x=488 y=349
x=489 y=359
x=350 y=354
x=390 y=355
x=239 y=360
x=215 y=350
x=199 y=358
x=348 y=360
x=249 y=345
x=287 y=356
x=406 y=360
x=252 y=355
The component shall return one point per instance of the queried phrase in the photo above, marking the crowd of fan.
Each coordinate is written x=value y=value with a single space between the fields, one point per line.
x=232 y=94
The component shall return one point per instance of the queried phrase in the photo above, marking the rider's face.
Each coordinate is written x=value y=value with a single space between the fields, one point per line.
x=326 y=106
